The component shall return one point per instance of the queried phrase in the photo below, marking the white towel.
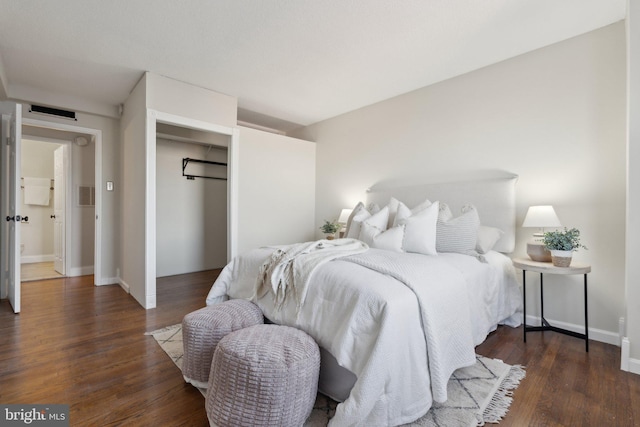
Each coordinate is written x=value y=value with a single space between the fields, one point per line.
x=36 y=191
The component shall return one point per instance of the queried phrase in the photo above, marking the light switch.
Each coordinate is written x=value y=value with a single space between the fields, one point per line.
x=109 y=185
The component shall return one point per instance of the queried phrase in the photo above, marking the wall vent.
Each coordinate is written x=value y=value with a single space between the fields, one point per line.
x=86 y=195
x=53 y=112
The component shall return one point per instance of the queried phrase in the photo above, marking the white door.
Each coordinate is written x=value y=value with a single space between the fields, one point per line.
x=13 y=215
x=59 y=185
x=4 y=203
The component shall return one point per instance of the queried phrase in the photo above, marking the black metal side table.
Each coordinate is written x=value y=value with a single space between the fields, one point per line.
x=548 y=268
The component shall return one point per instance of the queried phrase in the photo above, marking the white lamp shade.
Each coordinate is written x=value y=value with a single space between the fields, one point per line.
x=344 y=216
x=541 y=217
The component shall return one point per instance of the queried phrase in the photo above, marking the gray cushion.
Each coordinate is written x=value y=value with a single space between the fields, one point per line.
x=263 y=375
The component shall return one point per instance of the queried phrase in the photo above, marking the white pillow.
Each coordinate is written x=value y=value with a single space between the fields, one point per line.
x=404 y=212
x=390 y=240
x=359 y=214
x=487 y=238
x=459 y=234
x=420 y=230
x=393 y=210
x=373 y=208
x=379 y=220
x=354 y=212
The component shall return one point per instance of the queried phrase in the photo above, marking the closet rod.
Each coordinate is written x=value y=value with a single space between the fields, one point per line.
x=200 y=176
x=186 y=160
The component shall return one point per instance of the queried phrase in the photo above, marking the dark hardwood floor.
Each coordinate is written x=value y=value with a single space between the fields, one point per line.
x=566 y=386
x=78 y=344
x=82 y=345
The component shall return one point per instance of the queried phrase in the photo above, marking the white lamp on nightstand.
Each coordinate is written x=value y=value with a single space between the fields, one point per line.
x=540 y=217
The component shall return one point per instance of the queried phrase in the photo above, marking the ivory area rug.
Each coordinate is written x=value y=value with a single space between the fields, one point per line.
x=478 y=394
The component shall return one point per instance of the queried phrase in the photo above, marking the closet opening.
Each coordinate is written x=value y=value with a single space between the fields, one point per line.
x=191 y=203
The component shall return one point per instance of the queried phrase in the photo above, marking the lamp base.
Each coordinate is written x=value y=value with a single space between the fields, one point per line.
x=538 y=252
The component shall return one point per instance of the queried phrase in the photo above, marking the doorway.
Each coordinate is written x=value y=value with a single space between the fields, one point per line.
x=45 y=172
x=78 y=219
x=58 y=239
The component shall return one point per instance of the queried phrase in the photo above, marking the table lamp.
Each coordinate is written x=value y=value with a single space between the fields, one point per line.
x=540 y=217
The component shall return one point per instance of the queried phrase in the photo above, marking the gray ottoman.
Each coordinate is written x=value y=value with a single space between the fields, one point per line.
x=264 y=375
x=204 y=328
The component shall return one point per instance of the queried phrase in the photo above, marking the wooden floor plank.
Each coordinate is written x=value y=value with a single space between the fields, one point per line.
x=83 y=345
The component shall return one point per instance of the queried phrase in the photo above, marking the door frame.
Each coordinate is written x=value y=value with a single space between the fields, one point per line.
x=152 y=118
x=61 y=165
x=96 y=135
x=11 y=184
x=68 y=172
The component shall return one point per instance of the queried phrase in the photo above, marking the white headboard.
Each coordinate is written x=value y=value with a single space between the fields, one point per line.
x=494 y=198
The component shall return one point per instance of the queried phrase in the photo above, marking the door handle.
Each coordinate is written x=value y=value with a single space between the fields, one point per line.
x=52 y=216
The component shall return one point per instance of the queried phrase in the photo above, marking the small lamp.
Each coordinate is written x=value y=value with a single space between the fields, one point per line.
x=540 y=217
x=343 y=219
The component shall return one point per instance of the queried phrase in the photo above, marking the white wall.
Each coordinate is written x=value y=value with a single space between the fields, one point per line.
x=132 y=192
x=81 y=247
x=276 y=190
x=631 y=346
x=37 y=234
x=183 y=99
x=555 y=117
x=191 y=215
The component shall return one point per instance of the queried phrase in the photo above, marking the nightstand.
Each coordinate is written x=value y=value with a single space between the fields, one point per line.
x=548 y=268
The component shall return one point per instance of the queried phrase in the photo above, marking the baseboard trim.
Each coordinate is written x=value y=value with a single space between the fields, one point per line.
x=32 y=259
x=80 y=271
x=607 y=337
x=106 y=281
x=124 y=286
x=151 y=302
x=627 y=363
x=624 y=354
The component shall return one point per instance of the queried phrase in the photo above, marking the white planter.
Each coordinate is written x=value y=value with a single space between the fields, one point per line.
x=561 y=258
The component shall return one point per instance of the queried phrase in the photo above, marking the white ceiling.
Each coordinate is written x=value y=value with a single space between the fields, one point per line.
x=298 y=61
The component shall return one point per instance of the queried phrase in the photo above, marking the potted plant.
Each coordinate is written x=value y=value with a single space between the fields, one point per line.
x=330 y=228
x=562 y=244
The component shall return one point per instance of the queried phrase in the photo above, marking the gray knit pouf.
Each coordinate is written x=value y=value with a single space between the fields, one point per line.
x=264 y=375
x=203 y=329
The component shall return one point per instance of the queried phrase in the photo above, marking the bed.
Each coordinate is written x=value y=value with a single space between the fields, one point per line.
x=392 y=325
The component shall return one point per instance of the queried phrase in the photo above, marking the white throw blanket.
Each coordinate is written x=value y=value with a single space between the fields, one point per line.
x=289 y=268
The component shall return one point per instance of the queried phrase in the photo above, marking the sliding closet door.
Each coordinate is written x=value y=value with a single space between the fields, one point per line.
x=276 y=189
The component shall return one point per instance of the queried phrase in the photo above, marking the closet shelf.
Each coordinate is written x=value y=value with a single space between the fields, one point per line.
x=187 y=160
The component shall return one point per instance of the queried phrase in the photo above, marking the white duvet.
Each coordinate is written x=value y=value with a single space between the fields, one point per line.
x=402 y=323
